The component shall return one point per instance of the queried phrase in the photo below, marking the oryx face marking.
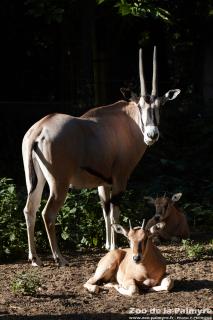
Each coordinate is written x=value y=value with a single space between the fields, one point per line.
x=161 y=206
x=149 y=104
x=150 y=118
x=136 y=238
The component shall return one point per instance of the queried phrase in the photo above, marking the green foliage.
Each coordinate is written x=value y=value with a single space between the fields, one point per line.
x=80 y=222
x=12 y=225
x=193 y=250
x=139 y=8
x=26 y=283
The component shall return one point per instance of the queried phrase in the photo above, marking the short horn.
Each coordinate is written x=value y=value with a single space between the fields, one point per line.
x=154 y=75
x=130 y=226
x=143 y=223
x=141 y=74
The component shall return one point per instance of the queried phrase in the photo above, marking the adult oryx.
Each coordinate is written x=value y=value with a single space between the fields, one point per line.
x=99 y=149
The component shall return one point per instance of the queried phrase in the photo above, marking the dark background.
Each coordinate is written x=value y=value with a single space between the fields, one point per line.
x=68 y=56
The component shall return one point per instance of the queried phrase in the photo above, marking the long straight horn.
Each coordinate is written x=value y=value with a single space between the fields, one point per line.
x=154 y=75
x=143 y=223
x=141 y=73
x=130 y=226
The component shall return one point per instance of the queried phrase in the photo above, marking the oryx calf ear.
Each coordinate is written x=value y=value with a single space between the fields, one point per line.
x=149 y=200
x=119 y=229
x=176 y=197
x=170 y=95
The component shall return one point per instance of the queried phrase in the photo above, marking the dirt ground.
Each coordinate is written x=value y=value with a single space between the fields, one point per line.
x=62 y=296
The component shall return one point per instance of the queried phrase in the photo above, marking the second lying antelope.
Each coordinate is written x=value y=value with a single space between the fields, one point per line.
x=166 y=211
x=141 y=264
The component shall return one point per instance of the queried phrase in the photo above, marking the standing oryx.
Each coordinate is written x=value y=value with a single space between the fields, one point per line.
x=99 y=149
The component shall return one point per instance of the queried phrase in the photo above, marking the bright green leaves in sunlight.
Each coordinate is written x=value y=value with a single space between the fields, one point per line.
x=139 y=8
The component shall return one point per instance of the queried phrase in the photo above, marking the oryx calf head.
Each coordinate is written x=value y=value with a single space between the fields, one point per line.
x=138 y=237
x=163 y=206
x=149 y=105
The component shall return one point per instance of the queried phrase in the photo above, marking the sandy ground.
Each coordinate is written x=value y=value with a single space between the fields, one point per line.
x=62 y=295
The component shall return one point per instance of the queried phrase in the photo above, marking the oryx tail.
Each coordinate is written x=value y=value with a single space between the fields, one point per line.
x=29 y=167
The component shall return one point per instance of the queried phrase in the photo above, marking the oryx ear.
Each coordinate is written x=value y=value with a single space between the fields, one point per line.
x=157 y=227
x=128 y=94
x=119 y=229
x=176 y=197
x=170 y=95
x=150 y=200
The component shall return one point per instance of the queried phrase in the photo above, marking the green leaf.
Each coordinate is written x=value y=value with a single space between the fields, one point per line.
x=65 y=235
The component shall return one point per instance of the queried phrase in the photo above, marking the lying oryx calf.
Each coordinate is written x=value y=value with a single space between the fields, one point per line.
x=176 y=225
x=141 y=264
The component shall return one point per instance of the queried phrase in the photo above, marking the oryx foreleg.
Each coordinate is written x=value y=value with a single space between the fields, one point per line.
x=104 y=195
x=54 y=203
x=114 y=218
x=117 y=193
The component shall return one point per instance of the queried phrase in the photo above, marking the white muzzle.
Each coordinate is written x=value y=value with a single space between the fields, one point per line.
x=151 y=135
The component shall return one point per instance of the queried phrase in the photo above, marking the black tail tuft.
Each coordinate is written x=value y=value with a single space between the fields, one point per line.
x=33 y=176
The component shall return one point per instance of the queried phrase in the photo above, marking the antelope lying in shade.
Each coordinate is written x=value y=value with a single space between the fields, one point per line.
x=141 y=264
x=99 y=149
x=176 y=225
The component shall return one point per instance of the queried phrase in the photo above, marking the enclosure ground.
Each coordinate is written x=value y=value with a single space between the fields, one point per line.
x=62 y=296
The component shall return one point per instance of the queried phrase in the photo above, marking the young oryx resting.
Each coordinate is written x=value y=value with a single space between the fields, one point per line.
x=141 y=264
x=99 y=149
x=176 y=225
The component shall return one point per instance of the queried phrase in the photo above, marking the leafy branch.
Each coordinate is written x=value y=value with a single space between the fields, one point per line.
x=139 y=8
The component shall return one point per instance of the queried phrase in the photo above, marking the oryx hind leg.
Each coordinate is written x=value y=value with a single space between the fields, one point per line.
x=167 y=283
x=129 y=289
x=58 y=192
x=31 y=207
x=105 y=272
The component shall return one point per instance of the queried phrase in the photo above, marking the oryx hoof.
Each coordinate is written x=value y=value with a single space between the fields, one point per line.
x=61 y=262
x=92 y=288
x=35 y=261
x=167 y=283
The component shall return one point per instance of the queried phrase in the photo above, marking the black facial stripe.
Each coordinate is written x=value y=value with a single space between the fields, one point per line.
x=140 y=246
x=166 y=207
x=142 y=124
x=144 y=245
x=151 y=117
x=154 y=118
